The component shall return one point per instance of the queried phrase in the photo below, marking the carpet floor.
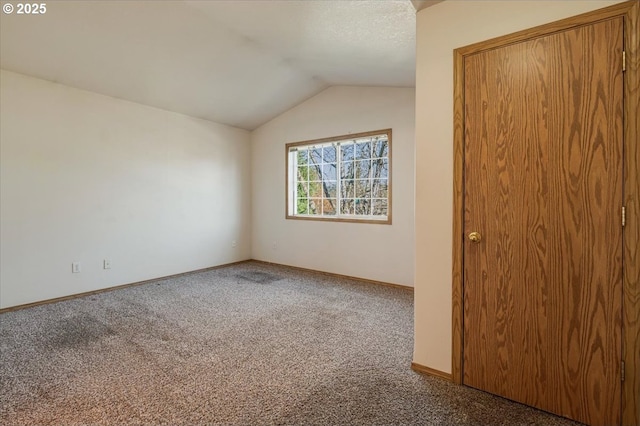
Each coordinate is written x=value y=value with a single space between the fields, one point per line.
x=248 y=344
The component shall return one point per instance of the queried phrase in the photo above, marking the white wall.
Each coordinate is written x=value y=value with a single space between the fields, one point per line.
x=371 y=251
x=86 y=177
x=440 y=29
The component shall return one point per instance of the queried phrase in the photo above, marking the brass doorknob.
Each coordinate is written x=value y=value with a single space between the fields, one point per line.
x=475 y=237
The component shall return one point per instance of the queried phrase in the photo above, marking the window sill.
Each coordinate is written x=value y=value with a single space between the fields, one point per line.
x=378 y=220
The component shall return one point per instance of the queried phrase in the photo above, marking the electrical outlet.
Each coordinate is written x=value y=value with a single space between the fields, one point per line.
x=76 y=267
x=106 y=264
x=233 y=243
x=274 y=246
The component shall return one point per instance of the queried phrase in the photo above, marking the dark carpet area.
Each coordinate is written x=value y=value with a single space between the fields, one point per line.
x=250 y=344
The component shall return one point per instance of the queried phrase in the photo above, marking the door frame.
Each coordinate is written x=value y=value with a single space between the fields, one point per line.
x=630 y=11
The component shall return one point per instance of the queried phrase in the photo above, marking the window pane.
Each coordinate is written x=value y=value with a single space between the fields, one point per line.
x=346 y=207
x=303 y=156
x=303 y=173
x=329 y=154
x=302 y=206
x=329 y=172
x=379 y=207
x=363 y=150
x=380 y=188
x=363 y=168
x=315 y=206
x=315 y=155
x=329 y=206
x=348 y=150
x=347 y=170
x=380 y=148
x=347 y=189
x=303 y=189
x=330 y=189
x=362 y=206
x=380 y=168
x=315 y=189
x=314 y=172
x=363 y=189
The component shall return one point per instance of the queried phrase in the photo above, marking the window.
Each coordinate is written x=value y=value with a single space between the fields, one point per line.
x=343 y=178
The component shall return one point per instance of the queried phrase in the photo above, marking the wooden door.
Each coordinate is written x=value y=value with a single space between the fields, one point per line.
x=543 y=188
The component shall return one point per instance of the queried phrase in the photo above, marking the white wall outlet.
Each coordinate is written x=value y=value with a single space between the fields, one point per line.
x=76 y=267
x=233 y=243
x=106 y=264
x=274 y=245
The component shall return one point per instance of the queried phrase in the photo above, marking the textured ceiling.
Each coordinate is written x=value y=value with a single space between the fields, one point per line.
x=234 y=62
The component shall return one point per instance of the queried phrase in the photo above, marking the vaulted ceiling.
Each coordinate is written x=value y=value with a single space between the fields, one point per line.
x=239 y=63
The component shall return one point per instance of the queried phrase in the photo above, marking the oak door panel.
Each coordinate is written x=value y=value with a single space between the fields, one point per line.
x=543 y=186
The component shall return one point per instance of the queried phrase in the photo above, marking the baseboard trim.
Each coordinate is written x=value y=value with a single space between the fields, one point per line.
x=331 y=274
x=117 y=287
x=431 y=371
x=137 y=283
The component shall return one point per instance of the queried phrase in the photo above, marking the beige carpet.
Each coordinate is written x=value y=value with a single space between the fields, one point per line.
x=250 y=344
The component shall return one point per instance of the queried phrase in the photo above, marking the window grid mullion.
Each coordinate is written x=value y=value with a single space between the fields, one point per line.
x=293 y=155
x=338 y=179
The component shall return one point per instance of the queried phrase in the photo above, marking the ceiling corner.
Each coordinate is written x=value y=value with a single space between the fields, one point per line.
x=422 y=4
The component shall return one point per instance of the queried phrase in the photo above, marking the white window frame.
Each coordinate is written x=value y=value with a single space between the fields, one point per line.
x=291 y=161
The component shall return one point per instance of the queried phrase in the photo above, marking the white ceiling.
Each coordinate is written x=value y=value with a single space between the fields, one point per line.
x=421 y=4
x=239 y=63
